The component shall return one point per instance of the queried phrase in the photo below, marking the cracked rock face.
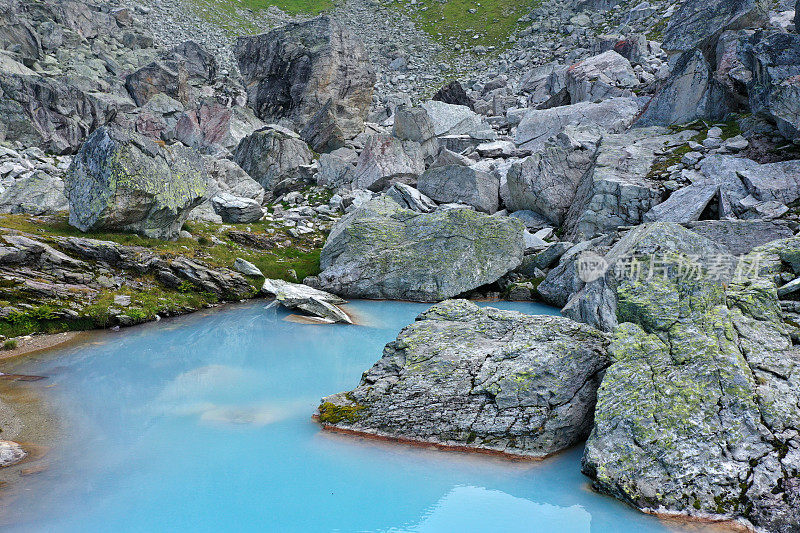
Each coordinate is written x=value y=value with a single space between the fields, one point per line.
x=381 y=250
x=480 y=378
x=700 y=410
x=121 y=180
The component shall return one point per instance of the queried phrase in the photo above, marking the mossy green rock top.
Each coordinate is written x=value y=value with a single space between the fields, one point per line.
x=480 y=378
x=699 y=412
x=382 y=250
x=120 y=180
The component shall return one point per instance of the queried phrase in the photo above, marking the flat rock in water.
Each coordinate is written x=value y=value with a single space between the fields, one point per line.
x=10 y=453
x=479 y=378
x=313 y=301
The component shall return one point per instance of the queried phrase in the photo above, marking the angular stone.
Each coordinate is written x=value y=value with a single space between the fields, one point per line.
x=39 y=194
x=120 y=180
x=246 y=267
x=381 y=250
x=698 y=23
x=386 y=160
x=457 y=184
x=292 y=72
x=410 y=198
x=235 y=209
x=271 y=155
x=684 y=205
x=608 y=75
x=451 y=119
x=307 y=299
x=479 y=378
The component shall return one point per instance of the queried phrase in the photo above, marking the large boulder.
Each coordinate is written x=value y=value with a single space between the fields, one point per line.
x=699 y=412
x=386 y=160
x=38 y=194
x=547 y=181
x=292 y=72
x=173 y=74
x=687 y=94
x=538 y=125
x=272 y=154
x=381 y=250
x=51 y=113
x=236 y=209
x=414 y=124
x=617 y=190
x=464 y=185
x=123 y=181
x=454 y=93
x=600 y=77
x=698 y=23
x=452 y=119
x=774 y=90
x=481 y=379
x=212 y=127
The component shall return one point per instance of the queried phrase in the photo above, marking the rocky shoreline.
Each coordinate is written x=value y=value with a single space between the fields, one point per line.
x=636 y=166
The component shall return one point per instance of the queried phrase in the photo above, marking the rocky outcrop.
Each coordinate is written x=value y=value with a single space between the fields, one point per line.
x=698 y=23
x=39 y=194
x=538 y=125
x=271 y=155
x=294 y=71
x=774 y=90
x=386 y=160
x=317 y=303
x=464 y=185
x=235 y=209
x=547 y=181
x=600 y=77
x=120 y=180
x=617 y=190
x=381 y=250
x=698 y=413
x=479 y=378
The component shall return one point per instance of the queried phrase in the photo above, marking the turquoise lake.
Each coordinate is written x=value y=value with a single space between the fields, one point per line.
x=203 y=423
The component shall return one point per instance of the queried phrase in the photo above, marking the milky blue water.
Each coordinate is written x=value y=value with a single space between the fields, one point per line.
x=202 y=423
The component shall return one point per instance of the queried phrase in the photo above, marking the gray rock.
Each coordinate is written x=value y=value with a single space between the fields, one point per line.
x=381 y=250
x=698 y=23
x=120 y=180
x=271 y=155
x=386 y=160
x=457 y=184
x=334 y=172
x=11 y=453
x=546 y=182
x=293 y=71
x=617 y=191
x=531 y=219
x=414 y=124
x=307 y=299
x=774 y=60
x=687 y=94
x=227 y=176
x=38 y=194
x=740 y=236
x=215 y=128
x=246 y=267
x=410 y=198
x=684 y=205
x=479 y=378
x=451 y=119
x=692 y=420
x=543 y=259
x=539 y=125
x=235 y=209
x=600 y=77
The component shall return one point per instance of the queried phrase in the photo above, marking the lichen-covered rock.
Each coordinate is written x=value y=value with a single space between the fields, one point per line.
x=120 y=180
x=381 y=250
x=479 y=378
x=547 y=181
x=293 y=71
x=699 y=412
x=465 y=185
x=271 y=155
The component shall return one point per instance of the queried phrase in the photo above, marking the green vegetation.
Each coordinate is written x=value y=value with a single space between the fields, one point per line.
x=236 y=16
x=450 y=21
x=10 y=344
x=266 y=244
x=330 y=413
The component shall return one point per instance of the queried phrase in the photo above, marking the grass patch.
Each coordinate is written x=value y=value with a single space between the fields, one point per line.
x=10 y=344
x=450 y=21
x=233 y=17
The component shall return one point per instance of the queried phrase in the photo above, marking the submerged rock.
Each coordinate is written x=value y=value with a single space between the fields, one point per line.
x=307 y=299
x=10 y=453
x=479 y=378
x=121 y=180
x=381 y=250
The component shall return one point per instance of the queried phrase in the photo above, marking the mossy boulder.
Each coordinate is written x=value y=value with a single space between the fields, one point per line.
x=382 y=250
x=120 y=180
x=479 y=378
x=700 y=410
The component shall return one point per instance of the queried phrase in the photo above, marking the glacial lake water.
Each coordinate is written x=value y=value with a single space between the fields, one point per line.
x=203 y=423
